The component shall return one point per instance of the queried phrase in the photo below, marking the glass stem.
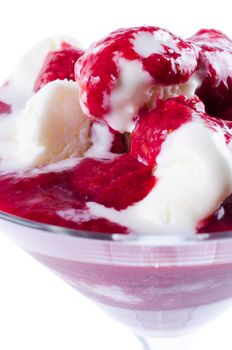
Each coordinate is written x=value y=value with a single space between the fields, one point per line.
x=166 y=343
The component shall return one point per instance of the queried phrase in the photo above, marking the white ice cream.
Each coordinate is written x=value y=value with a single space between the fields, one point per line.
x=45 y=127
x=101 y=140
x=194 y=172
x=146 y=43
x=221 y=62
x=135 y=89
x=50 y=128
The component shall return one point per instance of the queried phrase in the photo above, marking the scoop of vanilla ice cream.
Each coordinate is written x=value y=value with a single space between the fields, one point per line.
x=194 y=175
x=45 y=127
x=51 y=127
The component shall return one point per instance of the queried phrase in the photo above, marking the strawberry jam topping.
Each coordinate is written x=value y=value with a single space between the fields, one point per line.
x=50 y=198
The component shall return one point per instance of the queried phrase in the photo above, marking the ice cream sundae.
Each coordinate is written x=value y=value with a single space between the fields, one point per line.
x=132 y=135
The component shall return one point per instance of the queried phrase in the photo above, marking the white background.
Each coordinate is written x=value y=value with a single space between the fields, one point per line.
x=37 y=310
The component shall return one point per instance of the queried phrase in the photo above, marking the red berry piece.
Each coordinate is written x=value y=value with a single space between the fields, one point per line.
x=215 y=62
x=5 y=108
x=220 y=221
x=58 y=65
x=153 y=128
x=115 y=183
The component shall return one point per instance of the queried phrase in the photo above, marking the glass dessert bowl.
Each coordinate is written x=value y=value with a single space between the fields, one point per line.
x=161 y=288
x=132 y=135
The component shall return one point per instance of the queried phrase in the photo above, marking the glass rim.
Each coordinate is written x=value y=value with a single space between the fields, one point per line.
x=115 y=237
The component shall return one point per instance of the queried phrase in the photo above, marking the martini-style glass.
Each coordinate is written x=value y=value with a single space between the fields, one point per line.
x=162 y=288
